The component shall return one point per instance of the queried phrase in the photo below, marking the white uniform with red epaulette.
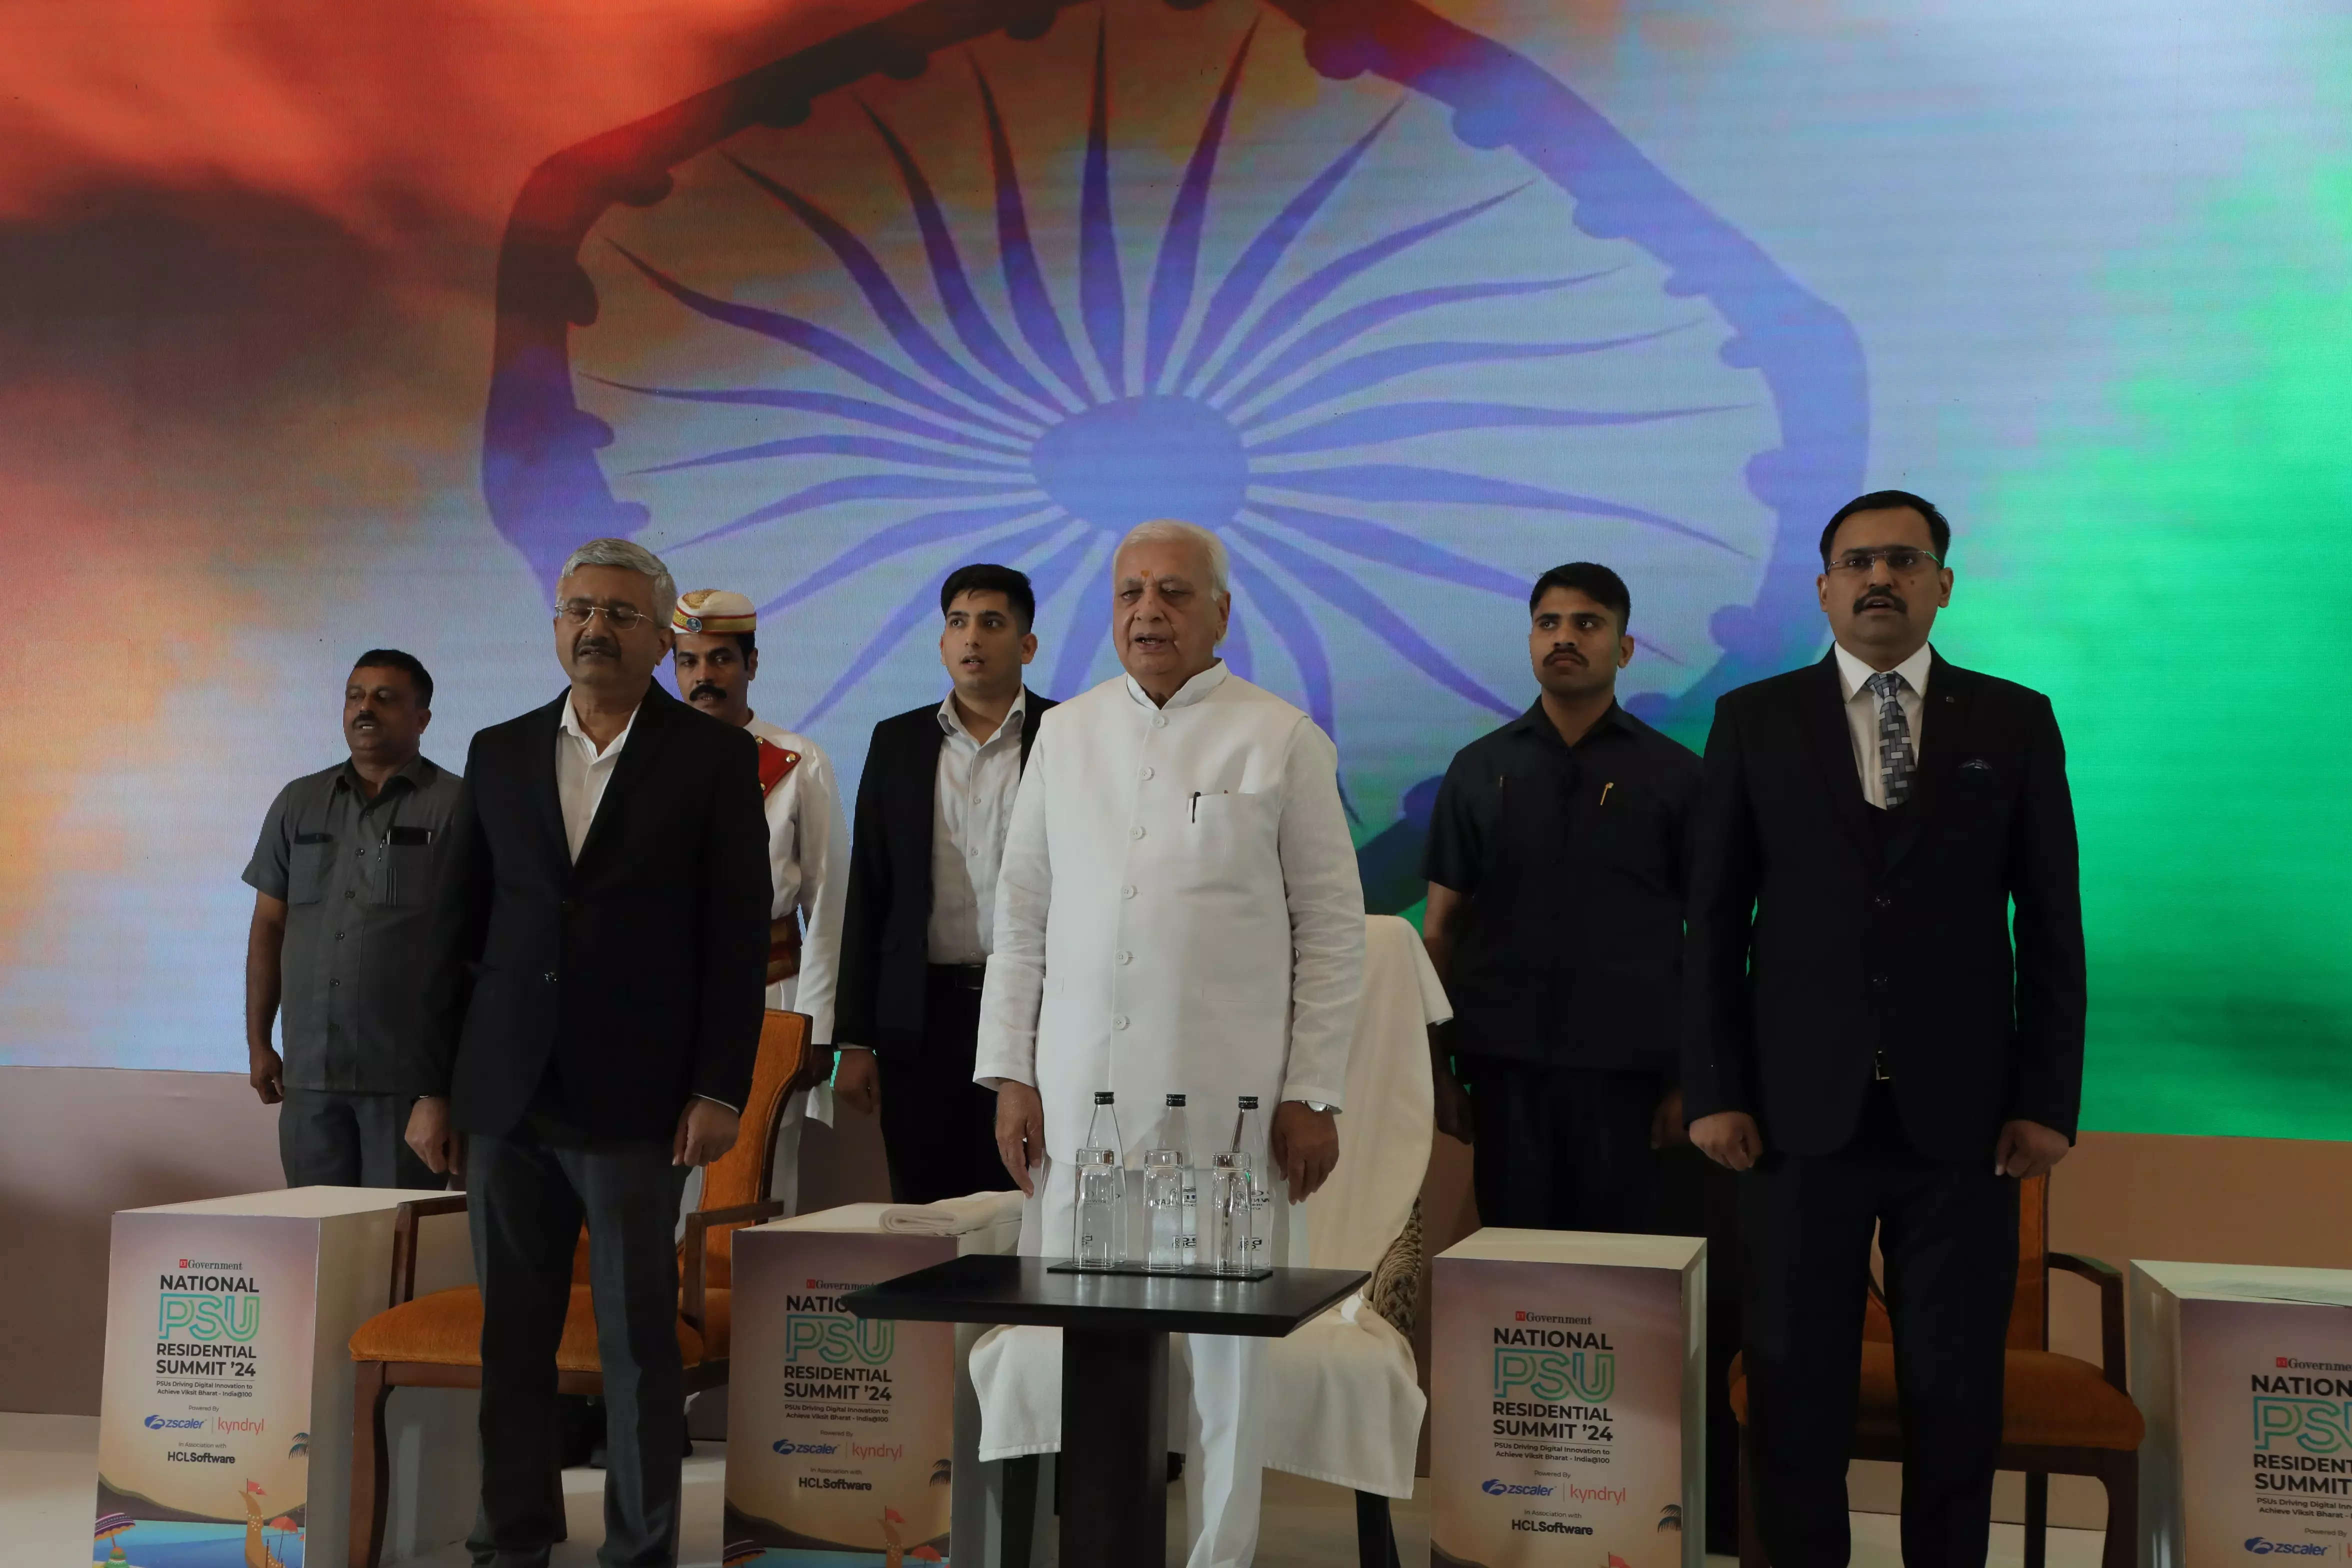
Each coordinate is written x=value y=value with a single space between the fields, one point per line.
x=808 y=857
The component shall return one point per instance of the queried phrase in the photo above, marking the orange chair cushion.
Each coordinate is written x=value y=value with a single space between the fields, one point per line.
x=446 y=1329
x=2048 y=1401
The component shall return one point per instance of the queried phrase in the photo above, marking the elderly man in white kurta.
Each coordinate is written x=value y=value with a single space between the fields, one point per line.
x=1178 y=911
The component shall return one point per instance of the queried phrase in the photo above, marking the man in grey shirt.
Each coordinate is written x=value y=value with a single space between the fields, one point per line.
x=342 y=880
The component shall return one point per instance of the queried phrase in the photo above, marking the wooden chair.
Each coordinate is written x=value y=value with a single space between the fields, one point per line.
x=435 y=1341
x=2059 y=1415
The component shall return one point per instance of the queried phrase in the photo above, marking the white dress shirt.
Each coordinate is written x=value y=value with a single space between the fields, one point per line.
x=582 y=771
x=971 y=808
x=1861 y=712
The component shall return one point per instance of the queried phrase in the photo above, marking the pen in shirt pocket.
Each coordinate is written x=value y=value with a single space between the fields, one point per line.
x=1605 y=789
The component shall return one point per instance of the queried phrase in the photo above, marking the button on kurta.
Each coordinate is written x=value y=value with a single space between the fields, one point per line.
x=1136 y=832
x=1127 y=891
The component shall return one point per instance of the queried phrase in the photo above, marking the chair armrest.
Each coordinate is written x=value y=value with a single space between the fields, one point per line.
x=698 y=1225
x=404 y=1241
x=2110 y=1281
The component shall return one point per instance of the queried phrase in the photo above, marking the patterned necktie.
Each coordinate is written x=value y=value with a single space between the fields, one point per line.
x=1895 y=761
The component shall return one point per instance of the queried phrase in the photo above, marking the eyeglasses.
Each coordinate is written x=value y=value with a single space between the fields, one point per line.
x=620 y=617
x=1901 y=559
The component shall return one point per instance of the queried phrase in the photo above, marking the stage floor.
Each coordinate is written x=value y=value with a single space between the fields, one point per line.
x=48 y=1474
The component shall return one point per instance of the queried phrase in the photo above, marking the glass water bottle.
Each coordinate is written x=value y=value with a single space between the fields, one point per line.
x=1099 y=1236
x=1167 y=1193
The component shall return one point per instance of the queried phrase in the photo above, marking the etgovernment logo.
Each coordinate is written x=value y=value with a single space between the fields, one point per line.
x=1512 y=1489
x=2262 y=1546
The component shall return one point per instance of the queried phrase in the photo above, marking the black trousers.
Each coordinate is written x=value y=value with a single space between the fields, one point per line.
x=1948 y=1234
x=333 y=1138
x=528 y=1193
x=938 y=1128
x=1559 y=1148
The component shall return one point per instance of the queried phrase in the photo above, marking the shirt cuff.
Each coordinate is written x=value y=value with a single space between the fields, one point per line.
x=716 y=1101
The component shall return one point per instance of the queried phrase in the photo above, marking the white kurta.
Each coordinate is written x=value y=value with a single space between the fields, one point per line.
x=808 y=858
x=1178 y=909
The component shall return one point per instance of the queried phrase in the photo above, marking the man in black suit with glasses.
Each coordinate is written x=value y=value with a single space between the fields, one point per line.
x=1866 y=1045
x=594 y=1010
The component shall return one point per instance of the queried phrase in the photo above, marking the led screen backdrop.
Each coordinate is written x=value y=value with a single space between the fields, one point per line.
x=346 y=334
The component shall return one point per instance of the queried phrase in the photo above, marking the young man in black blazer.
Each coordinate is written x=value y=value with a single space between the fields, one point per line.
x=593 y=1007
x=1862 y=1043
x=932 y=807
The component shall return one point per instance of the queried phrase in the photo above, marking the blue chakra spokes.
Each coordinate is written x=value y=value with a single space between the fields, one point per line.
x=980 y=446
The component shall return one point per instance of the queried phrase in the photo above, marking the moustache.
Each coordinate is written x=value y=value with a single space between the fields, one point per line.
x=704 y=689
x=1893 y=600
x=583 y=647
x=1563 y=655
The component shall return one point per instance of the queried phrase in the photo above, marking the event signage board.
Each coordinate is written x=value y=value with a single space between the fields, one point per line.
x=224 y=1420
x=2245 y=1376
x=1567 y=1401
x=841 y=1433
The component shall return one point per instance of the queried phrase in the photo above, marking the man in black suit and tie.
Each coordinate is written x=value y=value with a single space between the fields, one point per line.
x=919 y=921
x=600 y=949
x=1863 y=1045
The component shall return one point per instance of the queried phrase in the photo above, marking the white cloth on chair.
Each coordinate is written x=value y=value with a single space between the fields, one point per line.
x=953 y=1216
x=1345 y=1402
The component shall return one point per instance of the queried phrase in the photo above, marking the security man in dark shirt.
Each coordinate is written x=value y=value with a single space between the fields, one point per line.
x=1555 y=877
x=342 y=880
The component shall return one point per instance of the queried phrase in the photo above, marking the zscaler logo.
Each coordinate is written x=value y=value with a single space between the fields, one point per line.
x=2261 y=1546
x=1510 y=1489
x=174 y=1423
x=786 y=1446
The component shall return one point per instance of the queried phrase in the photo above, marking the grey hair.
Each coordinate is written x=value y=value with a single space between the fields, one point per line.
x=1167 y=530
x=629 y=558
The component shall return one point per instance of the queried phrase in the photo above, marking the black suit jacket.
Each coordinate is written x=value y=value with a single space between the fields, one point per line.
x=886 y=920
x=636 y=977
x=1818 y=936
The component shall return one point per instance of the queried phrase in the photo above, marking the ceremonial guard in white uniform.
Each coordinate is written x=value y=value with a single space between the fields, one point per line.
x=717 y=658
x=1178 y=911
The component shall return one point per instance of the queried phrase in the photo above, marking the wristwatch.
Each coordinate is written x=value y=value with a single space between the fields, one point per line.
x=1317 y=1106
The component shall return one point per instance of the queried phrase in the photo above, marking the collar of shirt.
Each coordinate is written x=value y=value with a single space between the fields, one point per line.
x=1536 y=721
x=951 y=723
x=570 y=725
x=416 y=772
x=1191 y=691
x=1854 y=675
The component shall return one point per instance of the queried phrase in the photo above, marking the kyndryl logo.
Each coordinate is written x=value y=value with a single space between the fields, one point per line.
x=1510 y=1489
x=2261 y=1546
x=786 y=1446
x=174 y=1423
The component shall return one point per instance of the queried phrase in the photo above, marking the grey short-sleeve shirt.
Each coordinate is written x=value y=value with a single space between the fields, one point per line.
x=357 y=878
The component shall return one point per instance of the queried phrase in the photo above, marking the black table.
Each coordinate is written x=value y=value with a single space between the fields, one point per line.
x=1115 y=1330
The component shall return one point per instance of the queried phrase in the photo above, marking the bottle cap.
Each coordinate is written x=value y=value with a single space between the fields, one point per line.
x=1104 y=1097
x=1249 y=1102
x=1176 y=1100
